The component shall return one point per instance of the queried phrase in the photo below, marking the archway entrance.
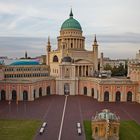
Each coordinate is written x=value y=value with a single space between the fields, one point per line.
x=106 y=96
x=66 y=89
x=25 y=95
x=34 y=93
x=3 y=95
x=85 y=90
x=40 y=92
x=48 y=90
x=118 y=96
x=14 y=95
x=92 y=92
x=129 y=96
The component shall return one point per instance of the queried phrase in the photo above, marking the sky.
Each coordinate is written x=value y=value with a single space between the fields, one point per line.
x=115 y=22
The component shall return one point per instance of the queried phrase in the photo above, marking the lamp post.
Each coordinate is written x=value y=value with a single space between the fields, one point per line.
x=9 y=102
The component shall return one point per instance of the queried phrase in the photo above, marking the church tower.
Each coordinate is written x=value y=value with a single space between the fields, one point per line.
x=95 y=53
x=48 y=51
x=71 y=42
x=26 y=55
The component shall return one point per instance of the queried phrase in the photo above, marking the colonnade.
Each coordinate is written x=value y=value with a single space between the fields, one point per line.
x=73 y=43
x=84 y=70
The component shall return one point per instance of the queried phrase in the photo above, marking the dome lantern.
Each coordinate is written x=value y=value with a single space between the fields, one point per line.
x=71 y=23
x=71 y=14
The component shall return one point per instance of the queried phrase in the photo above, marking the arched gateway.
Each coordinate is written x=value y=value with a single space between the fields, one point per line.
x=66 y=89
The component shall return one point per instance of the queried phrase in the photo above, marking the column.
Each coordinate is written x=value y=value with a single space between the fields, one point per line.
x=79 y=43
x=68 y=43
x=73 y=43
x=82 y=71
x=78 y=71
x=76 y=43
x=88 y=70
x=85 y=70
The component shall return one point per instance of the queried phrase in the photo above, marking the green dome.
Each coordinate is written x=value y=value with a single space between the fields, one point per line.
x=106 y=115
x=25 y=62
x=71 y=23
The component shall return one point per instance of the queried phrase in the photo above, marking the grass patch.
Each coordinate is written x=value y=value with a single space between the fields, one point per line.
x=18 y=129
x=88 y=131
x=129 y=130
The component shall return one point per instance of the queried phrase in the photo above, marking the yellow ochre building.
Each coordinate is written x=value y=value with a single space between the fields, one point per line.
x=69 y=70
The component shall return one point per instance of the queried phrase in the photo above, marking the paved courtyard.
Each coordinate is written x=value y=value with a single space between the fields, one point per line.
x=77 y=109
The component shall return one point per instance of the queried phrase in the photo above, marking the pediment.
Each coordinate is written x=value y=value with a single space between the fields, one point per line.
x=83 y=61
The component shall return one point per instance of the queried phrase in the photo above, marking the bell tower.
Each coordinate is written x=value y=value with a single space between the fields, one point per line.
x=95 y=53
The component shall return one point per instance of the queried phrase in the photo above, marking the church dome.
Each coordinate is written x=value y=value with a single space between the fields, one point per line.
x=25 y=62
x=71 y=23
x=67 y=59
x=106 y=115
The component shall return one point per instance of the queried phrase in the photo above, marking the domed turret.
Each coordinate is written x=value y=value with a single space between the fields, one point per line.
x=106 y=115
x=71 y=23
x=105 y=126
x=67 y=59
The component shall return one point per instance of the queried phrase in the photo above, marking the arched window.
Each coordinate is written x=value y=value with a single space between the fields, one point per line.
x=118 y=96
x=3 y=95
x=96 y=130
x=25 y=95
x=40 y=92
x=129 y=96
x=106 y=96
x=92 y=92
x=55 y=59
x=85 y=90
x=48 y=90
x=14 y=95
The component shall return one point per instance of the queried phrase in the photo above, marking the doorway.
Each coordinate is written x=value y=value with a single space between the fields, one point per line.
x=66 y=89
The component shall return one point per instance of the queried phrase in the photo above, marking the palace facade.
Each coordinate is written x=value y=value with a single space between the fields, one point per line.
x=69 y=70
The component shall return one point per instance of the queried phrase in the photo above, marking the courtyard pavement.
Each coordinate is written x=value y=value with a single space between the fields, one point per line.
x=78 y=108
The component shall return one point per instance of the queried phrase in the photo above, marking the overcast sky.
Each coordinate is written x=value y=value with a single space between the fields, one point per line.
x=43 y=18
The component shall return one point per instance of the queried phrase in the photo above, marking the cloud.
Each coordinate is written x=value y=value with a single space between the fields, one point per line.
x=13 y=24
x=43 y=18
x=7 y=8
x=132 y=38
x=111 y=46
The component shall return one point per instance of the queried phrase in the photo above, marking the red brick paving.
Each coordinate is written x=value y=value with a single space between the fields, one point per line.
x=78 y=108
